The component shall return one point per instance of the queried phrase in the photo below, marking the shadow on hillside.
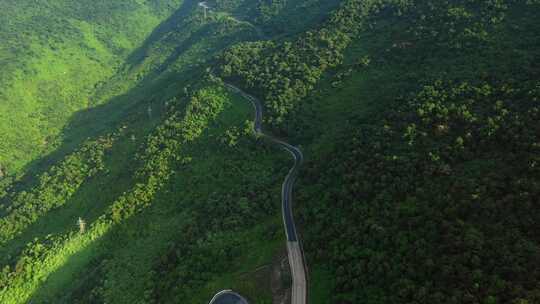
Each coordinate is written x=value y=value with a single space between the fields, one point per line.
x=83 y=270
x=142 y=52
x=130 y=108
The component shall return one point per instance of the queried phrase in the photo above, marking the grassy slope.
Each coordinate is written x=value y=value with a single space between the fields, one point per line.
x=55 y=54
x=169 y=61
x=216 y=220
x=133 y=250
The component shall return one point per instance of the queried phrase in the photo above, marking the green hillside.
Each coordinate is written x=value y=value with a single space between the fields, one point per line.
x=130 y=173
x=54 y=54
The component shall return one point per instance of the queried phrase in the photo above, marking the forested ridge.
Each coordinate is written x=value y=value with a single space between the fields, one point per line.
x=433 y=199
x=143 y=181
x=437 y=196
x=451 y=214
x=286 y=72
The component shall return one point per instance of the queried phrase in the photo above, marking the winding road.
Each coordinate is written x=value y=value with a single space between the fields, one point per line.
x=295 y=252
x=297 y=261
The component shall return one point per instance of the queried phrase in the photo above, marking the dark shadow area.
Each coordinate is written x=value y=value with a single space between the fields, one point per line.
x=131 y=107
x=293 y=19
x=89 y=202
x=95 y=195
x=126 y=109
x=80 y=271
x=83 y=270
x=141 y=53
x=193 y=39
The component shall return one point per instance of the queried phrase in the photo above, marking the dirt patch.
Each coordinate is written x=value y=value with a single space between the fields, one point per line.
x=280 y=280
x=274 y=278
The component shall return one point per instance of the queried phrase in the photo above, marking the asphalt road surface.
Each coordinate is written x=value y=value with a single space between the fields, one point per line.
x=294 y=247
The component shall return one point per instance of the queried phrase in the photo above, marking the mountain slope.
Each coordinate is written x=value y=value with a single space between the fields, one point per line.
x=53 y=56
x=411 y=195
x=418 y=121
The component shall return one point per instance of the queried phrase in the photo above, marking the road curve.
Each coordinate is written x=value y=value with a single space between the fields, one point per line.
x=295 y=252
x=228 y=297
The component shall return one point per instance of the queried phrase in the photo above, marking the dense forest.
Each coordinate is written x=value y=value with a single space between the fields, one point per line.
x=434 y=199
x=129 y=173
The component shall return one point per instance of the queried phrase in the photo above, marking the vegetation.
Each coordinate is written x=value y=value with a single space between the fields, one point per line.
x=48 y=265
x=278 y=17
x=446 y=210
x=429 y=186
x=54 y=189
x=141 y=180
x=285 y=73
x=53 y=56
x=163 y=149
